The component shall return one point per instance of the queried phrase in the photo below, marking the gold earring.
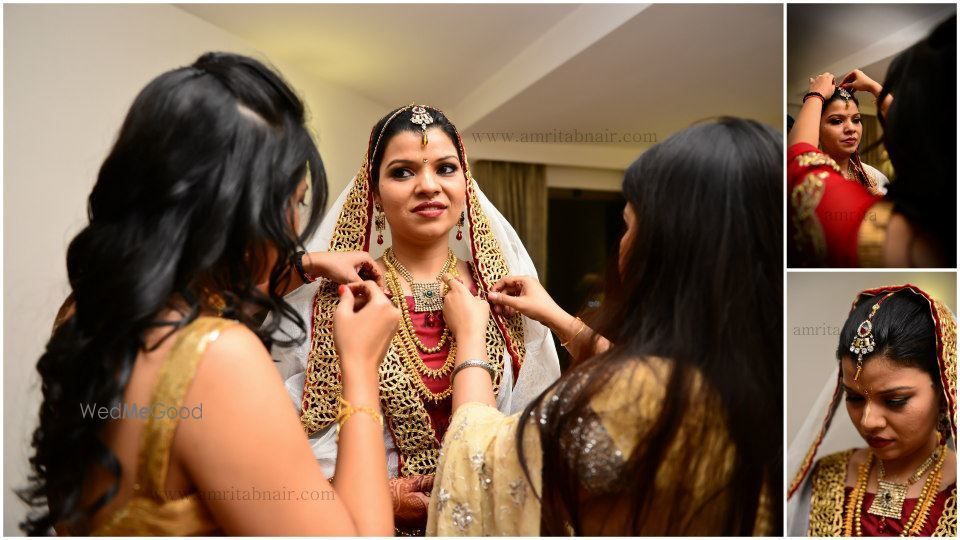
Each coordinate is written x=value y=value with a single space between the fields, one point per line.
x=379 y=222
x=214 y=301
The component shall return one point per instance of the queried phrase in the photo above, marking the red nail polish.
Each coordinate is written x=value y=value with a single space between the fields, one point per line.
x=340 y=290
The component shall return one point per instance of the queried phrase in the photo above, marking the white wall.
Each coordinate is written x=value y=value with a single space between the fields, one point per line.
x=70 y=73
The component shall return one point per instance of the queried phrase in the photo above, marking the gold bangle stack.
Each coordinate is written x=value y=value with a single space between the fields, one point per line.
x=347 y=410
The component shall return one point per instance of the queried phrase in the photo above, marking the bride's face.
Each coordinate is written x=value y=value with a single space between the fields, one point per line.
x=840 y=128
x=894 y=407
x=421 y=188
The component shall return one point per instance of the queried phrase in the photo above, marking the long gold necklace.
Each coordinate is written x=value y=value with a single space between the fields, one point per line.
x=451 y=266
x=408 y=351
x=921 y=512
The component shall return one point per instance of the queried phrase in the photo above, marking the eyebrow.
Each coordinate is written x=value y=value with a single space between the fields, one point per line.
x=412 y=161
x=887 y=391
x=838 y=115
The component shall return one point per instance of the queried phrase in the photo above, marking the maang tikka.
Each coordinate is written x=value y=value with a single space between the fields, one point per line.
x=863 y=343
x=423 y=119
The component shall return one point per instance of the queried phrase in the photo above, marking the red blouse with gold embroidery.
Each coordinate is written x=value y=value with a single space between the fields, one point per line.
x=833 y=221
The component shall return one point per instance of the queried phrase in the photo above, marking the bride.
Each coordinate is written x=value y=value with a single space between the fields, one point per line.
x=415 y=207
x=841 y=134
x=896 y=370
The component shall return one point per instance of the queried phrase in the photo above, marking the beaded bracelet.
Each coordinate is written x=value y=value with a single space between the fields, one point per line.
x=814 y=94
x=347 y=410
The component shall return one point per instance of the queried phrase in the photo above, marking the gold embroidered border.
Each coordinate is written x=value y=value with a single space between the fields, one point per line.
x=490 y=264
x=947 y=524
x=807 y=232
x=947 y=329
x=813 y=159
x=826 y=503
x=405 y=411
x=872 y=234
x=350 y=232
x=322 y=385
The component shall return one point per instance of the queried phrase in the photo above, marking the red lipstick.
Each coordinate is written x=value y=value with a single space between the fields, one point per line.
x=879 y=442
x=430 y=209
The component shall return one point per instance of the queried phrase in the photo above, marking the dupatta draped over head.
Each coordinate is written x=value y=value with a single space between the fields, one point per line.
x=806 y=446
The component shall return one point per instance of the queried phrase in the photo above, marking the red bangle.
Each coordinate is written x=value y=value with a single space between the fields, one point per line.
x=814 y=94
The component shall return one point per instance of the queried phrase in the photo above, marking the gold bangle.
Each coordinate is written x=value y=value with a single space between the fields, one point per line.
x=583 y=325
x=347 y=410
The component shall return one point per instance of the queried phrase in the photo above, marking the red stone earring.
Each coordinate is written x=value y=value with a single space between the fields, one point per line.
x=379 y=222
x=460 y=226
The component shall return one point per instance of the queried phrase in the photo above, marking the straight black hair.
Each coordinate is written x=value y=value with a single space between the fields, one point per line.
x=701 y=286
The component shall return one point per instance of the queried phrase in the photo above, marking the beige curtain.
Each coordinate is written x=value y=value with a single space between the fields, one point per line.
x=872 y=131
x=519 y=191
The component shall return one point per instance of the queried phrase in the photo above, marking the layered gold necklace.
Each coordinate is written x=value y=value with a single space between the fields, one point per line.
x=888 y=502
x=410 y=345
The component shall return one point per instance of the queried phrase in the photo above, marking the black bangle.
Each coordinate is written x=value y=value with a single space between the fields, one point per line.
x=298 y=264
x=818 y=94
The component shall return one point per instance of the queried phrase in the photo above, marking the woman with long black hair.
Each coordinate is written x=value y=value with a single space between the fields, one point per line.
x=671 y=422
x=162 y=411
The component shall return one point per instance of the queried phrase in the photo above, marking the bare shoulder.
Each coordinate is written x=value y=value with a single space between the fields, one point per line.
x=235 y=358
x=234 y=342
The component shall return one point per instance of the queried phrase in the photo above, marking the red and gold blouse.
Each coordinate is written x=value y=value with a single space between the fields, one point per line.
x=833 y=221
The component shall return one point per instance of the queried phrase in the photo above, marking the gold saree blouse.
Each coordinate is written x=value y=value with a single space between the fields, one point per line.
x=149 y=512
x=480 y=488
